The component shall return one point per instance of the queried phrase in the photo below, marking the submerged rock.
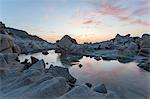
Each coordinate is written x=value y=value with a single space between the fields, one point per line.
x=100 y=88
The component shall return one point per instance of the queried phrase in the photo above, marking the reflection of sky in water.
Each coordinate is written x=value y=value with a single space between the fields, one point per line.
x=127 y=80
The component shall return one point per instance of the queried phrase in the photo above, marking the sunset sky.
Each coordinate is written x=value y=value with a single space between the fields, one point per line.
x=85 y=20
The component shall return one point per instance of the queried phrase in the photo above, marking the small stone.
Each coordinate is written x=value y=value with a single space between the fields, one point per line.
x=45 y=53
x=88 y=84
x=80 y=65
x=97 y=58
x=34 y=60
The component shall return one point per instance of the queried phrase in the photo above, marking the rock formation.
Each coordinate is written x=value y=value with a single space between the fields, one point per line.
x=69 y=45
x=11 y=38
x=6 y=41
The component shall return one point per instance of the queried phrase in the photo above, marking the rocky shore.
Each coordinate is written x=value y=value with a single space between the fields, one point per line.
x=31 y=80
x=27 y=43
x=27 y=80
x=122 y=48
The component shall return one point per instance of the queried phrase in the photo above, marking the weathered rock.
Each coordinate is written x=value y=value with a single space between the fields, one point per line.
x=7 y=45
x=10 y=57
x=121 y=39
x=69 y=45
x=129 y=49
x=82 y=92
x=29 y=43
x=145 y=45
x=40 y=66
x=48 y=88
x=61 y=72
x=3 y=62
x=100 y=88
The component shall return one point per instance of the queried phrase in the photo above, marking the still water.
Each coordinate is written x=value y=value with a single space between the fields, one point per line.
x=127 y=81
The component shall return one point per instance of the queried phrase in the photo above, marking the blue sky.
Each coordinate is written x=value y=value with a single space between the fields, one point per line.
x=85 y=20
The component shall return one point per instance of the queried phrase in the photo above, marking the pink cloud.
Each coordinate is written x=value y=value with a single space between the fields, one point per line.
x=112 y=8
x=141 y=22
x=143 y=11
x=89 y=22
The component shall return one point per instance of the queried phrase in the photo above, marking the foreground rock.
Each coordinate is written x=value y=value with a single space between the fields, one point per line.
x=82 y=92
x=61 y=72
x=6 y=41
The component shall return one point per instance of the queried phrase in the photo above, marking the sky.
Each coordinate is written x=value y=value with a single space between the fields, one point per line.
x=84 y=20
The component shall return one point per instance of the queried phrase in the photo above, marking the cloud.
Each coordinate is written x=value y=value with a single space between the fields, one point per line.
x=112 y=9
x=89 y=22
x=141 y=22
x=142 y=11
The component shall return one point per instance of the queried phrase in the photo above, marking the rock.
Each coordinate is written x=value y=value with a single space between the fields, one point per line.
x=34 y=60
x=45 y=53
x=145 y=65
x=40 y=66
x=111 y=96
x=121 y=39
x=44 y=88
x=109 y=57
x=145 y=45
x=61 y=72
x=125 y=59
x=97 y=58
x=50 y=88
x=26 y=64
x=10 y=57
x=100 y=88
x=88 y=84
x=28 y=43
x=7 y=45
x=69 y=45
x=46 y=63
x=3 y=62
x=16 y=49
x=80 y=65
x=82 y=92
x=129 y=49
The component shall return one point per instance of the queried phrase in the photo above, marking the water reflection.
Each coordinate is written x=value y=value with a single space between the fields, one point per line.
x=126 y=80
x=69 y=60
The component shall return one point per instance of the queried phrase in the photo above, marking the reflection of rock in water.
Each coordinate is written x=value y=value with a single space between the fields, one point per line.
x=67 y=59
x=125 y=59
